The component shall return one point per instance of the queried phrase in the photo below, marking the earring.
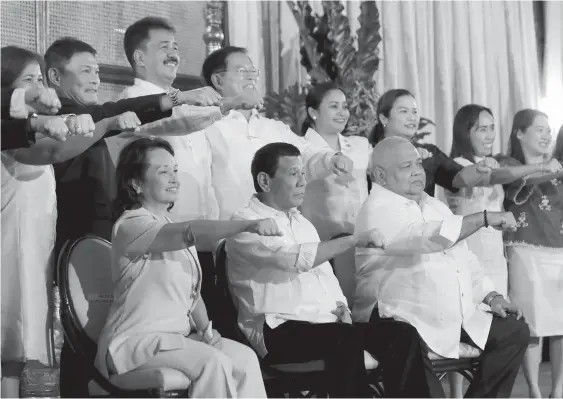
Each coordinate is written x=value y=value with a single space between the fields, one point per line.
x=314 y=118
x=385 y=125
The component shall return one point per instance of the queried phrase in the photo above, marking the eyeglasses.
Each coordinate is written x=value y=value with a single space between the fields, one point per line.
x=243 y=73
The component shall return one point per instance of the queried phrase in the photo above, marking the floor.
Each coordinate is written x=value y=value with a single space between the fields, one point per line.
x=520 y=389
x=42 y=382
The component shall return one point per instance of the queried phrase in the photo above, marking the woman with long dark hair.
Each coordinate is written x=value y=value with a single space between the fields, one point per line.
x=332 y=203
x=28 y=232
x=397 y=115
x=473 y=137
x=158 y=318
x=535 y=249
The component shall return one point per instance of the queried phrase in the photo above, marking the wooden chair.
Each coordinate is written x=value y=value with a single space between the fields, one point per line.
x=86 y=289
x=344 y=267
x=281 y=380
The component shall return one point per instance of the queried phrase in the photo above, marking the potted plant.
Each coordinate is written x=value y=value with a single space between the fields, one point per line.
x=328 y=53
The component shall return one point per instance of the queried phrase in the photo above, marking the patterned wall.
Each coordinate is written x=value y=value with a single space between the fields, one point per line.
x=34 y=25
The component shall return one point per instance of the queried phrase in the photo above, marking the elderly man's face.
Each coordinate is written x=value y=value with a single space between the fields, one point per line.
x=240 y=74
x=404 y=174
x=287 y=186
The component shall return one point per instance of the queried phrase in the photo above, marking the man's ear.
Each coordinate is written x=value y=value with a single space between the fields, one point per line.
x=216 y=81
x=378 y=176
x=263 y=181
x=139 y=58
x=54 y=77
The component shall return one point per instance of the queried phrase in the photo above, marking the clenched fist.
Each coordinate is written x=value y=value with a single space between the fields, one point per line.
x=205 y=96
x=81 y=125
x=43 y=100
x=502 y=220
x=370 y=239
x=265 y=227
x=126 y=121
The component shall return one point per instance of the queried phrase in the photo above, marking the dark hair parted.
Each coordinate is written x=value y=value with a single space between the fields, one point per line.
x=314 y=99
x=14 y=61
x=522 y=121
x=62 y=50
x=465 y=119
x=267 y=159
x=138 y=33
x=558 y=151
x=384 y=106
x=131 y=166
x=217 y=61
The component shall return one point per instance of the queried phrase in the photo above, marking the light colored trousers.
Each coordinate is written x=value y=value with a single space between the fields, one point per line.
x=231 y=371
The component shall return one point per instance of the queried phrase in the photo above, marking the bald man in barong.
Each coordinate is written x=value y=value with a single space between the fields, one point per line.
x=421 y=293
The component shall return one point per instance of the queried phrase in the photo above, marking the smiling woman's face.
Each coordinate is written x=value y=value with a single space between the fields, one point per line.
x=403 y=118
x=160 y=183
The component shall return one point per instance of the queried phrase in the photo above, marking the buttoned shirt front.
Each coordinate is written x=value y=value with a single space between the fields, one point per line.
x=332 y=203
x=234 y=140
x=196 y=199
x=273 y=279
x=424 y=276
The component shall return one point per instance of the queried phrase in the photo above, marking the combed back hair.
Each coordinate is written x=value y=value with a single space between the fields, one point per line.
x=314 y=99
x=217 y=61
x=14 y=61
x=267 y=159
x=465 y=120
x=131 y=166
x=62 y=50
x=558 y=151
x=522 y=120
x=384 y=106
x=137 y=34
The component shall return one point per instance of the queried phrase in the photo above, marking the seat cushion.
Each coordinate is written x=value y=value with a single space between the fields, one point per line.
x=466 y=351
x=167 y=379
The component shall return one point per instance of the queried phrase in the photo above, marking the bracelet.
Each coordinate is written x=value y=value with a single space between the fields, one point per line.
x=486 y=220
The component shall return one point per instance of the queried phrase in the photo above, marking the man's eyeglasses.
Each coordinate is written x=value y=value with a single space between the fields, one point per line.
x=243 y=73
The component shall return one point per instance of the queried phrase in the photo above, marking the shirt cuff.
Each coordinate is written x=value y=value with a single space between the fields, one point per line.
x=306 y=257
x=451 y=228
x=18 y=107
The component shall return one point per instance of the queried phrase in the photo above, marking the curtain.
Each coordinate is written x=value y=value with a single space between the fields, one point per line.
x=449 y=54
x=552 y=101
x=246 y=30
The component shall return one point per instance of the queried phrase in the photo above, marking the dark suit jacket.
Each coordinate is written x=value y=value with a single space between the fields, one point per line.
x=16 y=134
x=86 y=186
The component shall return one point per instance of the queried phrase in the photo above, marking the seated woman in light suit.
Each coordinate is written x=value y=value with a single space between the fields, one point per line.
x=332 y=203
x=157 y=318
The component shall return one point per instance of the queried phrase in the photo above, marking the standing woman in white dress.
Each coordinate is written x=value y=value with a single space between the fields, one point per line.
x=28 y=220
x=332 y=204
x=473 y=137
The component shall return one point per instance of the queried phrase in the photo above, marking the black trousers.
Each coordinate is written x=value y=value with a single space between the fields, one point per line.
x=340 y=345
x=408 y=372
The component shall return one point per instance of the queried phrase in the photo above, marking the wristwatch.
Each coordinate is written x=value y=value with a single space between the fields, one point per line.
x=493 y=297
x=173 y=94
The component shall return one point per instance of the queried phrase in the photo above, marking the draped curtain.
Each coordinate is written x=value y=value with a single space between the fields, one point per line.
x=552 y=101
x=447 y=53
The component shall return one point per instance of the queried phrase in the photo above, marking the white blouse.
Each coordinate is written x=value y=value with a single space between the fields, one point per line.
x=332 y=203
